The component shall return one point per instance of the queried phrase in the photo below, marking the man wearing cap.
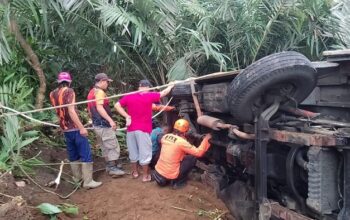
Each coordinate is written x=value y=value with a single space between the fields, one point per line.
x=139 y=125
x=104 y=126
x=78 y=148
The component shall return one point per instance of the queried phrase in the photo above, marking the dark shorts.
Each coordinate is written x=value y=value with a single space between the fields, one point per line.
x=186 y=166
x=78 y=147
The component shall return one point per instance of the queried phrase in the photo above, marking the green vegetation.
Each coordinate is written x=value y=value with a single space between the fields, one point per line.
x=53 y=210
x=13 y=141
x=161 y=40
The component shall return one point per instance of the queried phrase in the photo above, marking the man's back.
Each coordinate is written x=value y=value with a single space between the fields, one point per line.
x=171 y=155
x=61 y=96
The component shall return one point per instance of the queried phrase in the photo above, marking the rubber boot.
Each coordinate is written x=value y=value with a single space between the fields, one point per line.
x=76 y=171
x=113 y=170
x=89 y=183
x=119 y=164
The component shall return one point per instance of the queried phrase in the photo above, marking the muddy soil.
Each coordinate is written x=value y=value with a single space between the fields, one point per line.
x=127 y=198
x=120 y=198
x=12 y=207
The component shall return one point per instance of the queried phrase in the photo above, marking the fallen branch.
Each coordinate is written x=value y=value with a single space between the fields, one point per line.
x=57 y=181
x=8 y=196
x=98 y=170
x=46 y=190
x=65 y=173
x=219 y=216
x=2 y=175
x=182 y=209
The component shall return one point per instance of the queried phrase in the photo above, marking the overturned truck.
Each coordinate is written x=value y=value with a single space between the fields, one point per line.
x=281 y=130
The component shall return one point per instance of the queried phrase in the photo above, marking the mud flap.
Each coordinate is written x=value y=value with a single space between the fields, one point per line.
x=238 y=198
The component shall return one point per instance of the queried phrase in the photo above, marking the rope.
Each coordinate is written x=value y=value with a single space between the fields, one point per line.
x=86 y=101
x=54 y=164
x=65 y=163
x=25 y=116
x=162 y=110
x=218 y=74
x=54 y=125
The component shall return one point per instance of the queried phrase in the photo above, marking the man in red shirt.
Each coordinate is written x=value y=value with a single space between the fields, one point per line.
x=75 y=134
x=139 y=125
x=178 y=156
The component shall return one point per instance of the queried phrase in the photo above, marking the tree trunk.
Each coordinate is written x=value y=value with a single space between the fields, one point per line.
x=33 y=60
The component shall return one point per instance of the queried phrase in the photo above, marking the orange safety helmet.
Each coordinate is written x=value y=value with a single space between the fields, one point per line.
x=182 y=125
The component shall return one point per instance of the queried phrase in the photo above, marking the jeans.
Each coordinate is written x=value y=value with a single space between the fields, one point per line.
x=78 y=147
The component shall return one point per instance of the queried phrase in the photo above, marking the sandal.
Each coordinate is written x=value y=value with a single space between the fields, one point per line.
x=147 y=179
x=134 y=174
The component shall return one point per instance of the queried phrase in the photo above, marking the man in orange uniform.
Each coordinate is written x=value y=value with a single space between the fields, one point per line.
x=174 y=165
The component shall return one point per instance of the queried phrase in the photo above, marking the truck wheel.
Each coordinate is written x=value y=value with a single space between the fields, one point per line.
x=288 y=76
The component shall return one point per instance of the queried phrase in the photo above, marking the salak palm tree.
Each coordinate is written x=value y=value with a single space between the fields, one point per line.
x=166 y=38
x=342 y=12
x=18 y=18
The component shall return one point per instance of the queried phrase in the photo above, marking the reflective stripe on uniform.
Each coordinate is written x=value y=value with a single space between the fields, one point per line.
x=173 y=150
x=56 y=101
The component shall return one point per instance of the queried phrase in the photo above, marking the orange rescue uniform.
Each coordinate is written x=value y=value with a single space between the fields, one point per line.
x=174 y=148
x=159 y=108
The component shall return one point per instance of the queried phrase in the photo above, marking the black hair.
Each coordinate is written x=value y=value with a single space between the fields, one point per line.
x=64 y=84
x=155 y=123
x=177 y=132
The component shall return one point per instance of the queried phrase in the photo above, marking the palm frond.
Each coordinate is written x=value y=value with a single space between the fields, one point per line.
x=16 y=94
x=118 y=16
x=71 y=5
x=194 y=8
x=211 y=49
x=180 y=70
x=170 y=6
x=342 y=12
x=12 y=142
x=5 y=51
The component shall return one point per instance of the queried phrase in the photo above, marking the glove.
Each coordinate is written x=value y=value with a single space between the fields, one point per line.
x=128 y=121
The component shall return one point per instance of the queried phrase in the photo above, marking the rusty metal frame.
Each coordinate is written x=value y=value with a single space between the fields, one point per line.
x=345 y=211
x=284 y=213
x=195 y=100
x=307 y=139
x=202 y=166
x=262 y=137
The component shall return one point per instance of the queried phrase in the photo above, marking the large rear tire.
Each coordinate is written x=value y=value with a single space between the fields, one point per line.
x=288 y=76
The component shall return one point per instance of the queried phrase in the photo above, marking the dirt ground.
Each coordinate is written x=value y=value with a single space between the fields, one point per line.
x=127 y=198
x=118 y=198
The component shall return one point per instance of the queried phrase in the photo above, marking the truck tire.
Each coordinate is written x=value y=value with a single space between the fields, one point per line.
x=288 y=76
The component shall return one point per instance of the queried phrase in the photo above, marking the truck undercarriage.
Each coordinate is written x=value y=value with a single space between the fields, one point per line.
x=281 y=131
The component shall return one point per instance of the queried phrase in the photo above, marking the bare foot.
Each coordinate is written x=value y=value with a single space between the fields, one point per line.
x=147 y=178
x=134 y=174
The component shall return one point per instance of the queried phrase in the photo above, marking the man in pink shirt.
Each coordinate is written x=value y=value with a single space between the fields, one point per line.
x=139 y=122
